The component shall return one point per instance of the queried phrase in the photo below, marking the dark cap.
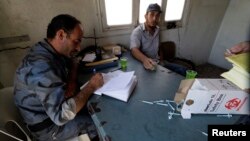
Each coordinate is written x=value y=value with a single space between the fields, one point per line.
x=154 y=7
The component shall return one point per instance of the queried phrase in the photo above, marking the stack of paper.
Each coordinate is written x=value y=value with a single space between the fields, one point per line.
x=239 y=74
x=118 y=85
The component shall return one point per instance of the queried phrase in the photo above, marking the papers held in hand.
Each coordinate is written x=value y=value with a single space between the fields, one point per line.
x=118 y=85
x=240 y=73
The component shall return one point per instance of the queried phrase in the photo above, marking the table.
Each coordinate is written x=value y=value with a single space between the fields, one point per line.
x=138 y=121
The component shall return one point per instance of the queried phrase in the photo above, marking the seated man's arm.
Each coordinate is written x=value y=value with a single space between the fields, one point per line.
x=147 y=62
x=82 y=97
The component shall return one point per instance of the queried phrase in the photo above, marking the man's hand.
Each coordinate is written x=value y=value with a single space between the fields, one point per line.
x=148 y=63
x=96 y=81
x=238 y=48
x=82 y=97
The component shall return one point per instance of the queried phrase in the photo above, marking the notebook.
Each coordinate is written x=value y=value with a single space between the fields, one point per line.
x=117 y=84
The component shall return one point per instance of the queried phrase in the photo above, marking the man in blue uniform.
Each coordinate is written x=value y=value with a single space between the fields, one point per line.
x=45 y=84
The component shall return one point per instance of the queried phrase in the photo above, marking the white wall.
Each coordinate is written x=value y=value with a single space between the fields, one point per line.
x=19 y=17
x=197 y=37
x=235 y=28
x=31 y=17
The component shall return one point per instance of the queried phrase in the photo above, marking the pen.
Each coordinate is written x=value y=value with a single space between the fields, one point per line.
x=147 y=102
x=228 y=51
x=84 y=85
x=228 y=116
x=171 y=106
x=204 y=133
x=94 y=71
x=161 y=104
x=158 y=101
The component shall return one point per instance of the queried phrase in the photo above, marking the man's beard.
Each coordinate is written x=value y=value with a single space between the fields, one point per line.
x=152 y=27
x=73 y=54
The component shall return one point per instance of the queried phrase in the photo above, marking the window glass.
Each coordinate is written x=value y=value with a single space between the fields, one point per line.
x=118 y=12
x=174 y=10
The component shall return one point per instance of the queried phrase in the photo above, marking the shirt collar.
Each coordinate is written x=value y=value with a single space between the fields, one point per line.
x=48 y=46
x=144 y=27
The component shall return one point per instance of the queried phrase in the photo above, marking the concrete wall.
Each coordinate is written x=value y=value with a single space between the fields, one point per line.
x=30 y=17
x=235 y=28
x=197 y=37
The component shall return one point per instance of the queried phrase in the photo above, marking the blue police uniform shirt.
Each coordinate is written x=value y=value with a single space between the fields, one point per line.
x=40 y=84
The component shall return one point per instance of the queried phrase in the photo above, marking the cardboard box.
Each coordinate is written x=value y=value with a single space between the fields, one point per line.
x=211 y=96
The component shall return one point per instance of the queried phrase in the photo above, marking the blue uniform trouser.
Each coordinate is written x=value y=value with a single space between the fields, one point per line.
x=176 y=68
x=81 y=124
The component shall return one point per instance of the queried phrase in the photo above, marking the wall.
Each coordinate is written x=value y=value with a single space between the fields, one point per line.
x=25 y=17
x=197 y=37
x=235 y=28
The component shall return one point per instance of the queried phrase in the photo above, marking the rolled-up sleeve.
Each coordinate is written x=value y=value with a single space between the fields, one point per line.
x=50 y=89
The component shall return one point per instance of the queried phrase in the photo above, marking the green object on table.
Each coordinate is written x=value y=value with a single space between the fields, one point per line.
x=123 y=62
x=191 y=74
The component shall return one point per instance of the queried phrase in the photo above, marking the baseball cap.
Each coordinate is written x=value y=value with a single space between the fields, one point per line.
x=154 y=7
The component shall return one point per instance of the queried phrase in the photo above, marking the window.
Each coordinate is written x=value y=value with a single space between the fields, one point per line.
x=174 y=10
x=115 y=15
x=118 y=12
x=126 y=14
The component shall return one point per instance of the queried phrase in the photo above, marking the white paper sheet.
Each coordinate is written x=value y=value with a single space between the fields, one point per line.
x=115 y=81
x=89 y=57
